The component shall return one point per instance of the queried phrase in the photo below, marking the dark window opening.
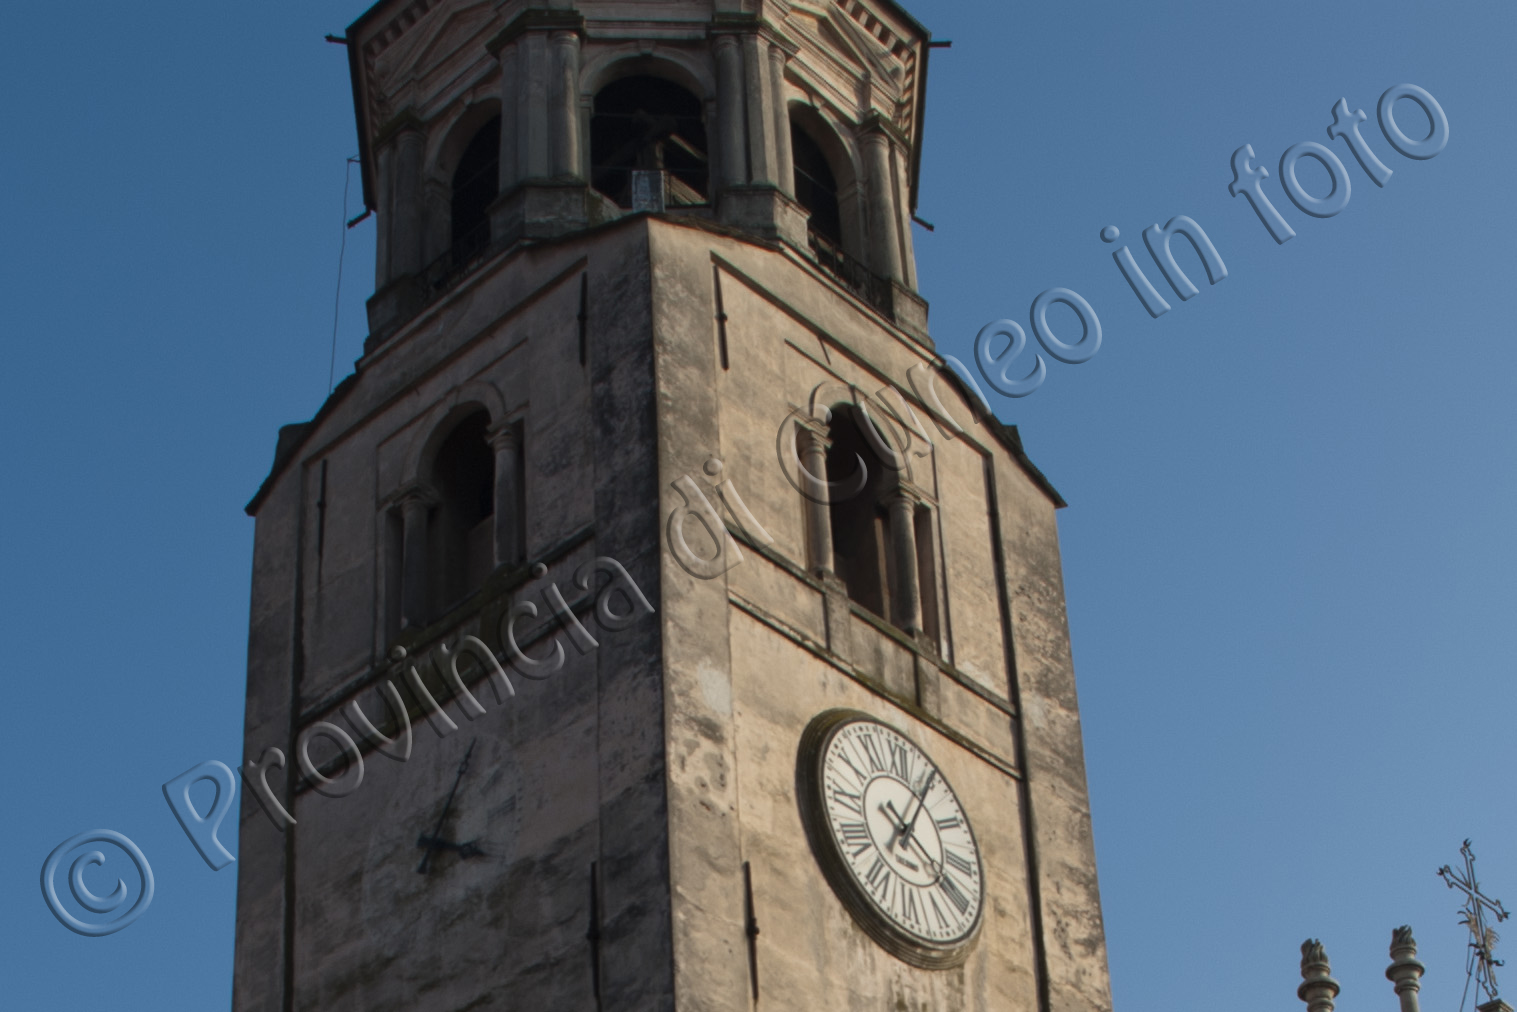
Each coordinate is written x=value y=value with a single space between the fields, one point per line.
x=648 y=123
x=463 y=528
x=476 y=183
x=816 y=188
x=860 y=527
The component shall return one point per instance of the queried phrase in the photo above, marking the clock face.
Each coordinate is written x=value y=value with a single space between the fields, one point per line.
x=892 y=837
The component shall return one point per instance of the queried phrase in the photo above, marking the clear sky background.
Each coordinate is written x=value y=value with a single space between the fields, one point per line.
x=1289 y=552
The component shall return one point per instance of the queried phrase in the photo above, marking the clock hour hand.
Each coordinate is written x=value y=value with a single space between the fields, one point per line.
x=898 y=827
x=907 y=840
x=469 y=848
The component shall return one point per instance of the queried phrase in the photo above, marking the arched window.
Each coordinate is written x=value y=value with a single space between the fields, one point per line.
x=860 y=535
x=889 y=570
x=462 y=527
x=649 y=123
x=476 y=183
x=816 y=188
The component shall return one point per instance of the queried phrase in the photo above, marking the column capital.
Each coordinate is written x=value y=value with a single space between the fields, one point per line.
x=903 y=491
x=537 y=19
x=819 y=431
x=734 y=23
x=877 y=126
x=502 y=436
x=412 y=495
x=404 y=122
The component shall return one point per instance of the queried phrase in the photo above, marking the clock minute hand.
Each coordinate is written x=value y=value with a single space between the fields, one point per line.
x=936 y=866
x=434 y=841
x=907 y=840
x=921 y=803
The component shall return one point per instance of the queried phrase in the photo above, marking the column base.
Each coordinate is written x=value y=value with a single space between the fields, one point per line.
x=909 y=311
x=766 y=211
x=928 y=678
x=838 y=618
x=391 y=306
x=543 y=209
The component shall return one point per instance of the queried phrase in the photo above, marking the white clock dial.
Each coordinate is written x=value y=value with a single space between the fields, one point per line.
x=896 y=830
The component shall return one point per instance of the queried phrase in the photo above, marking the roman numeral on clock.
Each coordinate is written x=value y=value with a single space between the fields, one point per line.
x=958 y=860
x=849 y=800
x=951 y=822
x=863 y=777
x=856 y=835
x=909 y=907
x=953 y=892
x=872 y=752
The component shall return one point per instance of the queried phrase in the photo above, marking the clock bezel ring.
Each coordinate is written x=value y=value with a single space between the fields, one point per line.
x=811 y=798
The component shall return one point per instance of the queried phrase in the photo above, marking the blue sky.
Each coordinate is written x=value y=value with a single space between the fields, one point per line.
x=1289 y=550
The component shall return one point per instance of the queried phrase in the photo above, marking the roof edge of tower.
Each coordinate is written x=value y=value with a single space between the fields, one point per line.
x=1006 y=434
x=360 y=116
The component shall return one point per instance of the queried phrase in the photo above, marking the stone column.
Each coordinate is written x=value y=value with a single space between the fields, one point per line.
x=884 y=235
x=814 y=446
x=510 y=132
x=507 y=494
x=586 y=112
x=784 y=161
x=416 y=502
x=1405 y=970
x=544 y=128
x=903 y=215
x=532 y=104
x=565 y=104
x=729 y=98
x=906 y=605
x=385 y=181
x=406 y=201
x=761 y=155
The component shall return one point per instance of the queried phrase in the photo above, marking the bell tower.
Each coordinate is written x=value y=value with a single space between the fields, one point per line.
x=652 y=621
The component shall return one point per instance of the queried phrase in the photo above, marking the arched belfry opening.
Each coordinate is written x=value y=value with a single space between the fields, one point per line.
x=859 y=535
x=881 y=529
x=816 y=187
x=462 y=528
x=476 y=183
x=651 y=124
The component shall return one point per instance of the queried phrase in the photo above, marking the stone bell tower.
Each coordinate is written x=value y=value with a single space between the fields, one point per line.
x=651 y=622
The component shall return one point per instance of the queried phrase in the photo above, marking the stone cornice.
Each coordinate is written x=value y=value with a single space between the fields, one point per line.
x=751 y=24
x=877 y=121
x=537 y=19
x=402 y=121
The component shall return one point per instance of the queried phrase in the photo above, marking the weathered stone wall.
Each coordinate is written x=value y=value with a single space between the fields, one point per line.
x=750 y=659
x=567 y=773
x=665 y=756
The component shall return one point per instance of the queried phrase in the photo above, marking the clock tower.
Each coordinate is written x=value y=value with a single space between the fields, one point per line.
x=652 y=621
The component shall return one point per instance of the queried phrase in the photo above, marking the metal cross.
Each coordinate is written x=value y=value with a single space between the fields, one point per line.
x=1476 y=904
